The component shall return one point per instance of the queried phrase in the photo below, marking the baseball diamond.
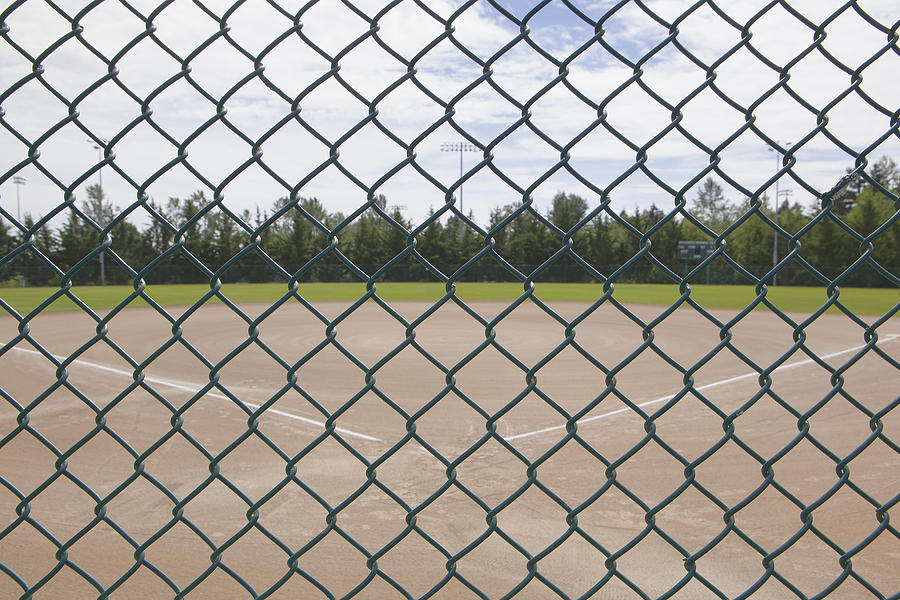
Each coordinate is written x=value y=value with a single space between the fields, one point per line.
x=450 y=299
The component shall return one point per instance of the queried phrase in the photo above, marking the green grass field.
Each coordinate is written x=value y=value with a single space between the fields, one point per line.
x=863 y=301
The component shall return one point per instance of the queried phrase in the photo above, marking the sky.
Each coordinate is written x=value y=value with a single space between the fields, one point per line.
x=369 y=160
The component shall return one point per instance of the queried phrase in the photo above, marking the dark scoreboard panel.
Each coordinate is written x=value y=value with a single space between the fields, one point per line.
x=695 y=249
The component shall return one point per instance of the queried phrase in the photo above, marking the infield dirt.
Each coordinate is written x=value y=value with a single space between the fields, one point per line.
x=397 y=480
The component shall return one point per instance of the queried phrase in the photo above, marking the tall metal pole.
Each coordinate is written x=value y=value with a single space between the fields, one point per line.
x=775 y=250
x=775 y=245
x=460 y=177
x=459 y=147
x=100 y=201
x=19 y=181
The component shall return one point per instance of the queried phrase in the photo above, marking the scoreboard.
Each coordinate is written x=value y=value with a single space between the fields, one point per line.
x=695 y=249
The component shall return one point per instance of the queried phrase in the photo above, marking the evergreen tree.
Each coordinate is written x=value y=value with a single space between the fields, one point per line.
x=28 y=263
x=752 y=243
x=665 y=240
x=526 y=241
x=78 y=236
x=129 y=246
x=158 y=235
x=253 y=268
x=225 y=237
x=828 y=248
x=454 y=234
x=431 y=244
x=598 y=244
x=870 y=211
x=8 y=243
x=366 y=243
x=76 y=240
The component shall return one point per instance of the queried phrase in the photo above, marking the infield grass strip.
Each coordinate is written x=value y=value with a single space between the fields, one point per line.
x=864 y=301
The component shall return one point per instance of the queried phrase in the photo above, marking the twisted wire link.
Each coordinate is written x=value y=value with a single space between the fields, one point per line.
x=292 y=27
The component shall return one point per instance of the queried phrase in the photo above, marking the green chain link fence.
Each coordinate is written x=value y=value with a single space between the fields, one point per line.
x=879 y=493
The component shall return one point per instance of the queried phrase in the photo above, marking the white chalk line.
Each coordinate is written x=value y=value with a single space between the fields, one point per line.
x=707 y=386
x=351 y=433
x=194 y=389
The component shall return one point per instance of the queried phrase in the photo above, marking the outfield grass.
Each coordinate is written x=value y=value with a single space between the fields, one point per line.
x=863 y=301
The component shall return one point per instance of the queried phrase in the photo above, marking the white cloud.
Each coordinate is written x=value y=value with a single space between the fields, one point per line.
x=295 y=68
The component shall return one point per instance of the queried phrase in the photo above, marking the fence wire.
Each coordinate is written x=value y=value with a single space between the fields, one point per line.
x=879 y=494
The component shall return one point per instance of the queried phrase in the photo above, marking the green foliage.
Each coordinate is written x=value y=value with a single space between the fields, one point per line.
x=189 y=238
x=567 y=210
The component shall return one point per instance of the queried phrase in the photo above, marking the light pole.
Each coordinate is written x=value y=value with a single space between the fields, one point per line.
x=775 y=245
x=459 y=147
x=19 y=181
x=99 y=150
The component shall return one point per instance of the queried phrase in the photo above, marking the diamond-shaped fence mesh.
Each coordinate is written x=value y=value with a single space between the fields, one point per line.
x=292 y=426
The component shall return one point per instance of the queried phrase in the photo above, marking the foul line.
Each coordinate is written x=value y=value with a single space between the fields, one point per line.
x=187 y=388
x=792 y=365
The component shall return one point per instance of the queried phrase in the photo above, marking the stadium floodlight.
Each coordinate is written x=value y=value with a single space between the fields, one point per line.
x=459 y=147
x=777 y=152
x=19 y=181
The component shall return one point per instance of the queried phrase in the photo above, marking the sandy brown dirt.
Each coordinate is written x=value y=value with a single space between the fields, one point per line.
x=412 y=486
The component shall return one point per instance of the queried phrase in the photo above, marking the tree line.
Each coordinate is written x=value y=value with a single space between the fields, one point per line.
x=520 y=240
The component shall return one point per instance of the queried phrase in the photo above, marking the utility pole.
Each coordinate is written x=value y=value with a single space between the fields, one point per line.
x=777 y=168
x=19 y=181
x=99 y=150
x=459 y=147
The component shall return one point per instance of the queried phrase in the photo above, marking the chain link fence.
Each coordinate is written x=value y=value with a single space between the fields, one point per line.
x=368 y=488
